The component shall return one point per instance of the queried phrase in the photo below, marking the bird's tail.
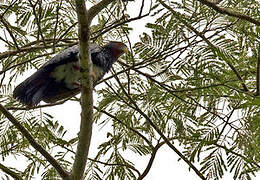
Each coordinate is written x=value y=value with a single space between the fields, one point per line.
x=31 y=91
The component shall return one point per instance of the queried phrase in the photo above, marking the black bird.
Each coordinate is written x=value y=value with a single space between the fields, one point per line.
x=59 y=78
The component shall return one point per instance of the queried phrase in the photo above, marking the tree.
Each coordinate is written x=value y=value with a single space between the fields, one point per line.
x=192 y=77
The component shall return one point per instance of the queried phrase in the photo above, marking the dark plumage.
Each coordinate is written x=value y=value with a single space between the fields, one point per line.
x=59 y=78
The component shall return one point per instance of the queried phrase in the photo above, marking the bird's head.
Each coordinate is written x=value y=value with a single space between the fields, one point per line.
x=116 y=48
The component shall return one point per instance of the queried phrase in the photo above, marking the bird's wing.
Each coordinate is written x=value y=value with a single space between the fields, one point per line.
x=68 y=55
x=64 y=57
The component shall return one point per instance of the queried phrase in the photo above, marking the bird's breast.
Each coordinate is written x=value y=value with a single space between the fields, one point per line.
x=98 y=73
x=68 y=73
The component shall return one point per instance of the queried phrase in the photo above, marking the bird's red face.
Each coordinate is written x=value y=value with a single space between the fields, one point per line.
x=117 y=48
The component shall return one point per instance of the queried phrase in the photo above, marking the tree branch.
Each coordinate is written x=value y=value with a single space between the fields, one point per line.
x=150 y=163
x=32 y=141
x=84 y=19
x=10 y=172
x=229 y=12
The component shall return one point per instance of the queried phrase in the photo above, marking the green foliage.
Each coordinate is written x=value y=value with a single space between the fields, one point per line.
x=192 y=73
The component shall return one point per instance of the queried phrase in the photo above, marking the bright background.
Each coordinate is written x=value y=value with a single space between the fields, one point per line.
x=166 y=165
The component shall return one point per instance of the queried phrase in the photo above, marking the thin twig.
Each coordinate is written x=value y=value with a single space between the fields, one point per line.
x=226 y=123
x=229 y=12
x=24 y=62
x=6 y=41
x=231 y=150
x=119 y=24
x=258 y=72
x=37 y=19
x=227 y=150
x=6 y=24
x=30 y=49
x=117 y=164
x=150 y=163
x=56 y=24
x=39 y=106
x=130 y=128
x=66 y=32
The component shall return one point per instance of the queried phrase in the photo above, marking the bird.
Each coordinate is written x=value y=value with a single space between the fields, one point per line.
x=59 y=78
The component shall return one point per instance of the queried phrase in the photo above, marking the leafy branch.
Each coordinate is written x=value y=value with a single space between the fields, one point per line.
x=32 y=141
x=216 y=50
x=135 y=107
